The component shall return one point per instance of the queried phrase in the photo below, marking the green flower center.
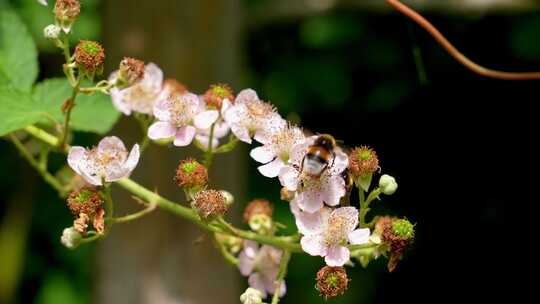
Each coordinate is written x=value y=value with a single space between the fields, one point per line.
x=189 y=167
x=91 y=48
x=220 y=91
x=331 y=280
x=83 y=196
x=403 y=228
x=364 y=155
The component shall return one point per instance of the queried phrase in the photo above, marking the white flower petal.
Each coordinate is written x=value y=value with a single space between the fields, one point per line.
x=133 y=158
x=262 y=154
x=241 y=133
x=272 y=169
x=288 y=177
x=245 y=96
x=76 y=158
x=359 y=236
x=255 y=280
x=117 y=97
x=347 y=215
x=204 y=120
x=184 y=136
x=309 y=201
x=161 y=109
x=153 y=76
x=333 y=189
x=161 y=130
x=111 y=143
x=313 y=245
x=245 y=264
x=203 y=141
x=337 y=256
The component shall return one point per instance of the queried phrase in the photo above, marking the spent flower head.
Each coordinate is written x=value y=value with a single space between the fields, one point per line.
x=216 y=94
x=331 y=281
x=363 y=161
x=89 y=57
x=191 y=174
x=109 y=161
x=209 y=204
x=130 y=71
x=397 y=234
x=66 y=12
x=85 y=200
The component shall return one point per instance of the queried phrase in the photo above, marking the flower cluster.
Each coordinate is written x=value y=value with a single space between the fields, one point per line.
x=316 y=175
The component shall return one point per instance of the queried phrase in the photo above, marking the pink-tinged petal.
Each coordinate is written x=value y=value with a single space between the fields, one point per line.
x=161 y=109
x=251 y=248
x=270 y=285
x=233 y=114
x=111 y=143
x=221 y=129
x=333 y=189
x=205 y=119
x=246 y=96
x=225 y=105
x=341 y=162
x=288 y=177
x=133 y=158
x=298 y=151
x=117 y=97
x=161 y=130
x=272 y=169
x=337 y=256
x=309 y=201
x=203 y=141
x=313 y=245
x=76 y=158
x=282 y=289
x=295 y=210
x=262 y=154
x=245 y=264
x=359 y=236
x=311 y=223
x=348 y=216
x=241 y=133
x=256 y=281
x=153 y=76
x=91 y=177
x=184 y=136
x=191 y=100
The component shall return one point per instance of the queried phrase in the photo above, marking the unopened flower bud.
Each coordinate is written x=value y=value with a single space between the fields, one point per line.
x=85 y=200
x=232 y=243
x=258 y=215
x=71 y=238
x=388 y=184
x=209 y=204
x=286 y=194
x=190 y=174
x=363 y=162
x=332 y=281
x=251 y=296
x=131 y=71
x=51 y=31
x=89 y=56
x=215 y=95
x=229 y=198
x=66 y=12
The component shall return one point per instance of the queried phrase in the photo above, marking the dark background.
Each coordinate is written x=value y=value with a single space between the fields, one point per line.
x=452 y=139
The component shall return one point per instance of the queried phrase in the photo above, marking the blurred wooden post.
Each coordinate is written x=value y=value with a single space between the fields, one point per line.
x=162 y=259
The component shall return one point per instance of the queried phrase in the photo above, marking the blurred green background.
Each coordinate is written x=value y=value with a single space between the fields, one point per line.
x=355 y=69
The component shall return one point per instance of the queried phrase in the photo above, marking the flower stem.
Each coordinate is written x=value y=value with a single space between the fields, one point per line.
x=451 y=49
x=92 y=238
x=109 y=207
x=363 y=207
x=42 y=135
x=283 y=265
x=226 y=254
x=70 y=107
x=289 y=243
x=134 y=216
x=209 y=153
x=48 y=177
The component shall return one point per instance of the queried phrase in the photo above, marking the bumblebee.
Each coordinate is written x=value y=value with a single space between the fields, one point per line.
x=319 y=156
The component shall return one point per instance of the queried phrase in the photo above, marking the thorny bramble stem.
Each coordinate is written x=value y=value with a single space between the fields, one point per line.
x=48 y=177
x=451 y=49
x=70 y=107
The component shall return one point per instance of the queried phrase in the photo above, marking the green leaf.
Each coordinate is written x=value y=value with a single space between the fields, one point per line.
x=18 y=54
x=91 y=113
x=17 y=110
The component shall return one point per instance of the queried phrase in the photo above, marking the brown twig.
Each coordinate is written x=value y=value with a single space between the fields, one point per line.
x=451 y=49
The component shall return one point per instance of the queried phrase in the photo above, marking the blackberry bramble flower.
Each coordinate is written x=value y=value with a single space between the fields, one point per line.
x=216 y=94
x=258 y=215
x=397 y=235
x=327 y=233
x=141 y=96
x=180 y=116
x=276 y=150
x=109 y=161
x=89 y=56
x=190 y=174
x=363 y=162
x=312 y=192
x=66 y=12
x=262 y=266
x=249 y=117
x=209 y=204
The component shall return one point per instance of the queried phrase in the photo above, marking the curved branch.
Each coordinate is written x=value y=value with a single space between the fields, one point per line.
x=451 y=49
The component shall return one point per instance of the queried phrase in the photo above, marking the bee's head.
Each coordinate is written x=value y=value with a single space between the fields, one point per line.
x=326 y=141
